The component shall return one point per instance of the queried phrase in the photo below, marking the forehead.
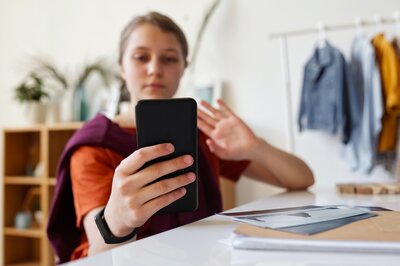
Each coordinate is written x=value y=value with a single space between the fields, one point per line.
x=151 y=37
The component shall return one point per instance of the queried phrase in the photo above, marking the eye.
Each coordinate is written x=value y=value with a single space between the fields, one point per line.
x=140 y=57
x=170 y=59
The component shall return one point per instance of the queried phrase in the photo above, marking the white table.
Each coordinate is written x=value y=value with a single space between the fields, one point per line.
x=205 y=242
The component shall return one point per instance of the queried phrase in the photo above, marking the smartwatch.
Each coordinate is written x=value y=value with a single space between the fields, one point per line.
x=105 y=231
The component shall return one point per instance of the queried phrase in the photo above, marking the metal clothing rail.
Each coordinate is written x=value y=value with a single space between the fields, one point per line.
x=320 y=29
x=337 y=27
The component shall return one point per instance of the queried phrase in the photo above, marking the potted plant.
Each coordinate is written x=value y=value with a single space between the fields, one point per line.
x=41 y=92
x=46 y=87
x=59 y=102
x=32 y=93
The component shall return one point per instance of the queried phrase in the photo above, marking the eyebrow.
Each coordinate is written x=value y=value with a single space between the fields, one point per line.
x=146 y=48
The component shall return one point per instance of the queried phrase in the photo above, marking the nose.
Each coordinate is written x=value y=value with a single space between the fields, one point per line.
x=154 y=67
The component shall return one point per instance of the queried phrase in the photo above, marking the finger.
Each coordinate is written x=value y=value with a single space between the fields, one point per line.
x=216 y=113
x=206 y=118
x=151 y=207
x=210 y=146
x=224 y=108
x=157 y=170
x=204 y=127
x=137 y=159
x=165 y=186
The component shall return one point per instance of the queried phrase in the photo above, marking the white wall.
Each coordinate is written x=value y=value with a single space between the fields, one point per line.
x=235 y=49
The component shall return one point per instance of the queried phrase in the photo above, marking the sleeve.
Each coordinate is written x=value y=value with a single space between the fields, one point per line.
x=232 y=170
x=302 y=108
x=393 y=97
x=343 y=103
x=92 y=171
x=377 y=97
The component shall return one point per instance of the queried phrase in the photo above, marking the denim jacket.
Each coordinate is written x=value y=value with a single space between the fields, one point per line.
x=324 y=99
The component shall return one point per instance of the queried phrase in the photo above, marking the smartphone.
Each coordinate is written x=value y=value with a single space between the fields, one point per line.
x=171 y=121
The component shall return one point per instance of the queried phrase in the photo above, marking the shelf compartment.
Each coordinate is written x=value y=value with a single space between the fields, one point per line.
x=21 y=250
x=57 y=141
x=17 y=199
x=51 y=194
x=25 y=263
x=21 y=153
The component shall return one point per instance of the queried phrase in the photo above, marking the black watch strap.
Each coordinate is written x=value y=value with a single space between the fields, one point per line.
x=106 y=233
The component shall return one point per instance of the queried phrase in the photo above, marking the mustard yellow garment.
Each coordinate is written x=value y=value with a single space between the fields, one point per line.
x=389 y=68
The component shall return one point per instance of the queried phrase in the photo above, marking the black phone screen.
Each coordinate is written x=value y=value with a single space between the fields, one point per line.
x=171 y=121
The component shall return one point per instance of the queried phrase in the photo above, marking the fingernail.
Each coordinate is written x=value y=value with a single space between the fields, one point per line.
x=188 y=159
x=191 y=176
x=170 y=147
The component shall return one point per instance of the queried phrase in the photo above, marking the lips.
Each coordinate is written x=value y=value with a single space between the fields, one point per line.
x=154 y=86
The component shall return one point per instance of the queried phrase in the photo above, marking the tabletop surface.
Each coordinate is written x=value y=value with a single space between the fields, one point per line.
x=206 y=242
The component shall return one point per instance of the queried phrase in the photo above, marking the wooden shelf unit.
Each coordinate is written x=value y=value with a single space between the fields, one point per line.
x=24 y=149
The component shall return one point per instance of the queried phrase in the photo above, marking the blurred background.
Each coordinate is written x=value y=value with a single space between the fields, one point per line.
x=236 y=58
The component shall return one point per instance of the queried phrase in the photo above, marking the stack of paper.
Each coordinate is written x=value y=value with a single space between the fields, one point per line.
x=379 y=234
x=303 y=220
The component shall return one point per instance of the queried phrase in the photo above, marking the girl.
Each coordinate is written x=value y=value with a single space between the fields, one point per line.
x=99 y=176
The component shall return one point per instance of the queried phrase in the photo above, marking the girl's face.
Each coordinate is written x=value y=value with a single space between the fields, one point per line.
x=152 y=63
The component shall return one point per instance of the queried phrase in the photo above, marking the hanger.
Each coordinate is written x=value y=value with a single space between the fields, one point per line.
x=396 y=16
x=378 y=23
x=359 y=25
x=321 y=27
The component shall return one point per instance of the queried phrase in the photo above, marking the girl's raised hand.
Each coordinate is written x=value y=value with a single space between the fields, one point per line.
x=229 y=137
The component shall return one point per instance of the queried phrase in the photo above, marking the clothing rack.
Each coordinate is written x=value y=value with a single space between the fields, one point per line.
x=320 y=29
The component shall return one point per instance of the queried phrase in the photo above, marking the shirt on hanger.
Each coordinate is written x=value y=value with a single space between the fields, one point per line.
x=324 y=101
x=366 y=80
x=388 y=65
